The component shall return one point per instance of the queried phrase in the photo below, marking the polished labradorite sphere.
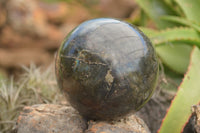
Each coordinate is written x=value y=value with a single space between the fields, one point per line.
x=106 y=68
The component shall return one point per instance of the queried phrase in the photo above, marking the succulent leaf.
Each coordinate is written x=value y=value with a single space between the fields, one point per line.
x=187 y=95
x=191 y=9
x=155 y=9
x=175 y=56
x=180 y=35
x=171 y=46
x=182 y=21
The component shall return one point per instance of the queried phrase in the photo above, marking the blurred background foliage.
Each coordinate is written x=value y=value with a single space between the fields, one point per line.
x=177 y=32
x=32 y=30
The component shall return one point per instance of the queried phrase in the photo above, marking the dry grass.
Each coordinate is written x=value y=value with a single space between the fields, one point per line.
x=33 y=87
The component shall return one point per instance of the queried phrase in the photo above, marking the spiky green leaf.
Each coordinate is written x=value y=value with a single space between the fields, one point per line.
x=171 y=46
x=191 y=9
x=180 y=35
x=182 y=21
x=149 y=32
x=155 y=9
x=175 y=56
x=187 y=95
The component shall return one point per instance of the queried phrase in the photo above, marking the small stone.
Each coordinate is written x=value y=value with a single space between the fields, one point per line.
x=193 y=124
x=49 y=118
x=131 y=124
x=196 y=112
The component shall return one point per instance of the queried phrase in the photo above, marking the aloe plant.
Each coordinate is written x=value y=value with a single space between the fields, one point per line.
x=187 y=95
x=177 y=33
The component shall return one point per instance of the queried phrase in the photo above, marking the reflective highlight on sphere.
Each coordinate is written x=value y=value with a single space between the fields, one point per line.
x=107 y=68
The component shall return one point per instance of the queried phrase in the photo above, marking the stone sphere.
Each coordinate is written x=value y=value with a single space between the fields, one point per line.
x=106 y=68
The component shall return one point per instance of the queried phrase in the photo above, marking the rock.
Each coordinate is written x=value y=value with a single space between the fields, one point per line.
x=94 y=72
x=11 y=39
x=26 y=17
x=193 y=124
x=196 y=113
x=2 y=14
x=49 y=118
x=14 y=58
x=117 y=8
x=56 y=13
x=77 y=14
x=154 y=111
x=31 y=30
x=131 y=124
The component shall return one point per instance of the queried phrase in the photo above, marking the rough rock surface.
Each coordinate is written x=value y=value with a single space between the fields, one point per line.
x=154 y=111
x=193 y=124
x=196 y=113
x=32 y=30
x=131 y=124
x=111 y=8
x=49 y=118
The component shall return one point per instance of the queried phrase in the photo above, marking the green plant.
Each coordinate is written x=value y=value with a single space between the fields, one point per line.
x=33 y=87
x=177 y=33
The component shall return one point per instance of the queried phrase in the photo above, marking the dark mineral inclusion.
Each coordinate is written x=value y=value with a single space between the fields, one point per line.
x=107 y=68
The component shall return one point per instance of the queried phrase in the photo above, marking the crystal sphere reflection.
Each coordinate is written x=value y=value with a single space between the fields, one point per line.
x=106 y=68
